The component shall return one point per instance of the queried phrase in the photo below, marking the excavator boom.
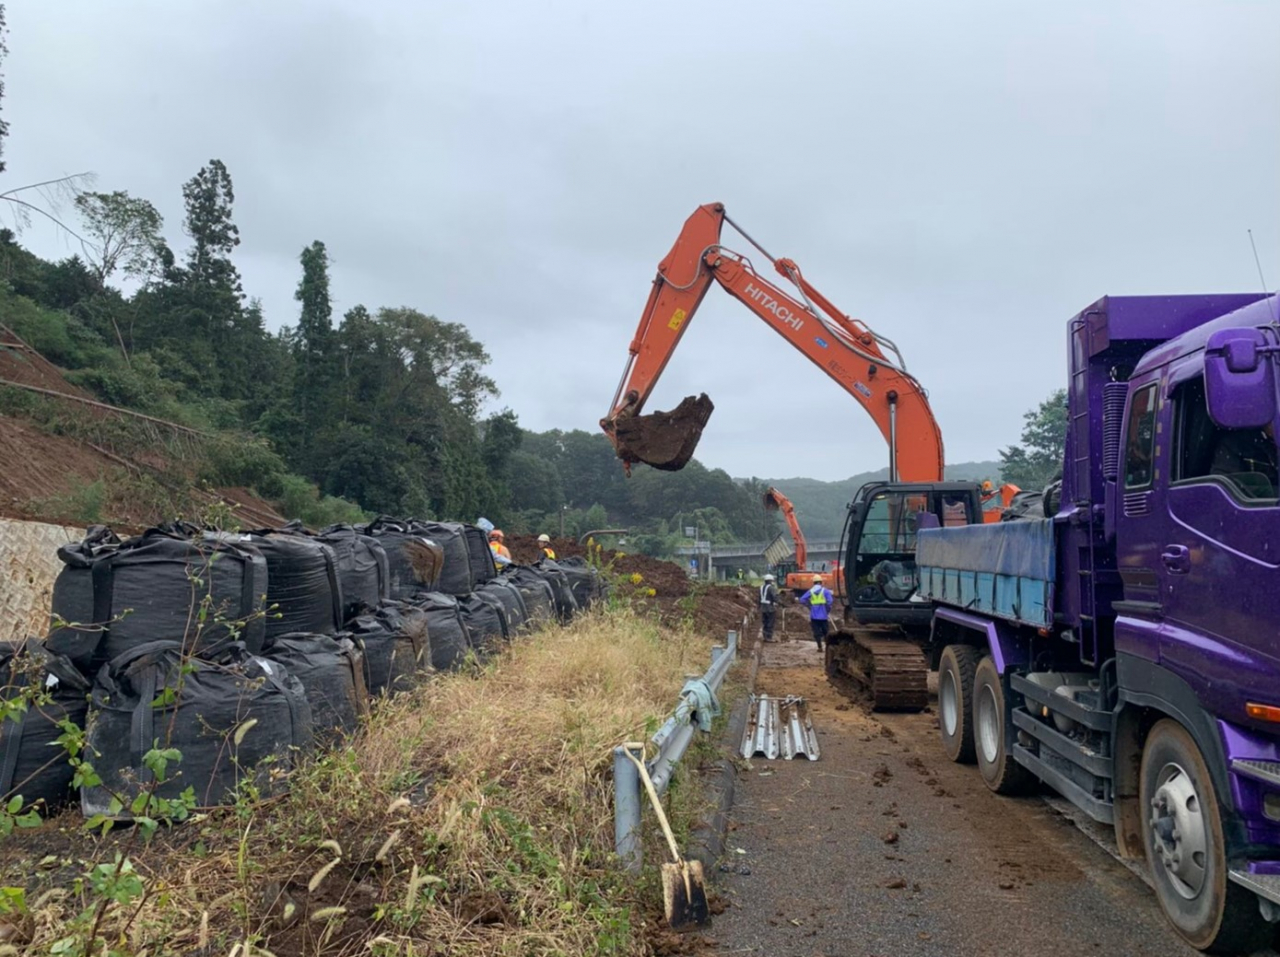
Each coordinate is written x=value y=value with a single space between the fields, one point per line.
x=867 y=366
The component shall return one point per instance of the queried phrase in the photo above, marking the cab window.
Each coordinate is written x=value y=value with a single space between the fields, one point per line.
x=1244 y=461
x=1139 y=457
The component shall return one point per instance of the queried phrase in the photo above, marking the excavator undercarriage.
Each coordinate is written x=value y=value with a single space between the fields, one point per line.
x=879 y=658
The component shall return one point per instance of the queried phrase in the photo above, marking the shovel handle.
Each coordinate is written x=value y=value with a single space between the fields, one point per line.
x=657 y=803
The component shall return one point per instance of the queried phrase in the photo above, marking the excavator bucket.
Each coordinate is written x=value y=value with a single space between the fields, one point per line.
x=665 y=440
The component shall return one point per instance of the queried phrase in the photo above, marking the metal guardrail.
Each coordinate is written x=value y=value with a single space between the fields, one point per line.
x=671 y=741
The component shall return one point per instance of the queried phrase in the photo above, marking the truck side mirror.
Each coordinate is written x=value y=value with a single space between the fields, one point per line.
x=1239 y=379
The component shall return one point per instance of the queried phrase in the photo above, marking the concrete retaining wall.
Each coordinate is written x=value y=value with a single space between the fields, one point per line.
x=28 y=565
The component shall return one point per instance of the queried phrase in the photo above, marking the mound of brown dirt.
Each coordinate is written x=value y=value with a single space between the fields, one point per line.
x=667 y=579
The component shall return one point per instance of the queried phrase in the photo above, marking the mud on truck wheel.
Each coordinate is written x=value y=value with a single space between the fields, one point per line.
x=1182 y=833
x=955 y=701
x=1002 y=773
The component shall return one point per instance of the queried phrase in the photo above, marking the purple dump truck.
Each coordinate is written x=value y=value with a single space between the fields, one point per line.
x=1122 y=646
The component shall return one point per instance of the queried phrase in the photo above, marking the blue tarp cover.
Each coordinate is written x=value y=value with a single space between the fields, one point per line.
x=1022 y=549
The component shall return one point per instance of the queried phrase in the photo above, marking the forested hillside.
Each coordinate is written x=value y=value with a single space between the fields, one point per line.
x=379 y=410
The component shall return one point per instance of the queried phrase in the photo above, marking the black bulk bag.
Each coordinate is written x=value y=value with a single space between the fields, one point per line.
x=583 y=579
x=450 y=639
x=402 y=577
x=539 y=598
x=456 y=578
x=363 y=572
x=32 y=763
x=566 y=603
x=213 y=705
x=479 y=555
x=154 y=587
x=397 y=642
x=512 y=602
x=73 y=597
x=331 y=670
x=485 y=619
x=303 y=592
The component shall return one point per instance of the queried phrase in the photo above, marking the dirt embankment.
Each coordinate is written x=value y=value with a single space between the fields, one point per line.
x=677 y=599
x=68 y=479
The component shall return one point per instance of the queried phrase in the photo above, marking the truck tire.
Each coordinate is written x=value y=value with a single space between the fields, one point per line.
x=955 y=701
x=1186 y=852
x=999 y=770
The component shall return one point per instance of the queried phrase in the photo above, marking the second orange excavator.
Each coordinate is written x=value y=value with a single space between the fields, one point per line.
x=802 y=578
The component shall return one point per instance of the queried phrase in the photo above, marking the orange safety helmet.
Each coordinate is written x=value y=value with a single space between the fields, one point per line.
x=496 y=534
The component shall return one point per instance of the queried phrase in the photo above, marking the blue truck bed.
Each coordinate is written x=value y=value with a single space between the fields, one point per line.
x=1004 y=570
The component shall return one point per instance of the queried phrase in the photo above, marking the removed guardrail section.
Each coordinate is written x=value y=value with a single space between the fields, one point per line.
x=694 y=712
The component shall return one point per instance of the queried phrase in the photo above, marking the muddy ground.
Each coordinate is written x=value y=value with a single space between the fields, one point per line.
x=883 y=848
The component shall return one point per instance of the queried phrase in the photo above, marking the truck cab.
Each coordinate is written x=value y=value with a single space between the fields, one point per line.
x=1125 y=651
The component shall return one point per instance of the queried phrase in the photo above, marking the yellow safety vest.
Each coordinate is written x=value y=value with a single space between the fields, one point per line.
x=817 y=596
x=548 y=553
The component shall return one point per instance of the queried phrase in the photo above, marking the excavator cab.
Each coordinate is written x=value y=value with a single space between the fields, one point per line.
x=880 y=536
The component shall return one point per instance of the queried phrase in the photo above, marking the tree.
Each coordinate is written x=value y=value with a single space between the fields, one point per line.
x=312 y=342
x=209 y=196
x=198 y=311
x=124 y=234
x=1038 y=460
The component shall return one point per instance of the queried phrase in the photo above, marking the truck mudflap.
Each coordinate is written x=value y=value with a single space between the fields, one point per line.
x=1263 y=879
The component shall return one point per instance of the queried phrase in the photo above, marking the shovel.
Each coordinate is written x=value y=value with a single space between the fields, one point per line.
x=684 y=892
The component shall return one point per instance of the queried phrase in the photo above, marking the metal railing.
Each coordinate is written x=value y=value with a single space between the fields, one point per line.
x=670 y=741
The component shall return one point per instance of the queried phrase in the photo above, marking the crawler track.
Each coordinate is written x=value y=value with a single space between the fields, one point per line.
x=893 y=669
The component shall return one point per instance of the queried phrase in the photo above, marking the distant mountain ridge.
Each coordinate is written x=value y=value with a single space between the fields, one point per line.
x=820 y=506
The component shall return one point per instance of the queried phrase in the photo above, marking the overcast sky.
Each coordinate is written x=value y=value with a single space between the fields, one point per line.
x=962 y=176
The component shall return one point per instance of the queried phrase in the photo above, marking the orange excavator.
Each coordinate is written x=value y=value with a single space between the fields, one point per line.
x=866 y=365
x=801 y=579
x=880 y=643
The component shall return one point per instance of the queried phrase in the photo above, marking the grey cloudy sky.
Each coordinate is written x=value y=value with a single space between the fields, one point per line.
x=963 y=176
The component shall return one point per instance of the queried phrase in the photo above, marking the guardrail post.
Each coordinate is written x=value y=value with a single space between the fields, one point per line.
x=670 y=742
x=626 y=811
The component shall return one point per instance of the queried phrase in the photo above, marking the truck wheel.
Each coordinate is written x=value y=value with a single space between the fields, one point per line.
x=1002 y=773
x=1185 y=848
x=955 y=701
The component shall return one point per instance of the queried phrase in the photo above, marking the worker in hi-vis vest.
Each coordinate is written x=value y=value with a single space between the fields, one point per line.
x=768 y=606
x=818 y=600
x=544 y=543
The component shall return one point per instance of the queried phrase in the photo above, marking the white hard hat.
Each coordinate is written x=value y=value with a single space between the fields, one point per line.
x=544 y=537
x=768 y=578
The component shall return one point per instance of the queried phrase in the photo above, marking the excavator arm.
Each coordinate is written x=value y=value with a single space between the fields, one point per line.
x=866 y=365
x=776 y=501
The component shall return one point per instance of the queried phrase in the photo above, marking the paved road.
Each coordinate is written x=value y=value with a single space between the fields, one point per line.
x=883 y=848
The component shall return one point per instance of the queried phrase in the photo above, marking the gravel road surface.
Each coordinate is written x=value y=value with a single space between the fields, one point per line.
x=883 y=848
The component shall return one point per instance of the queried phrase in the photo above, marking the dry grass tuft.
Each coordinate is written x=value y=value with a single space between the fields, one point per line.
x=472 y=815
